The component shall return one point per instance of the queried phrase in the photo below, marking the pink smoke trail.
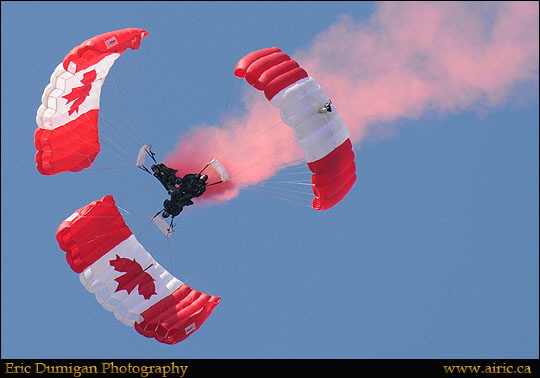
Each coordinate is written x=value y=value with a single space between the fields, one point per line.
x=410 y=58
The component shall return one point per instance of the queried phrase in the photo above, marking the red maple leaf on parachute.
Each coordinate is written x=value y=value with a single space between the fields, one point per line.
x=134 y=275
x=79 y=94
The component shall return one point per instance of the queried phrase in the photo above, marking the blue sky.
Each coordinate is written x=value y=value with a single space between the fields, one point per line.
x=433 y=254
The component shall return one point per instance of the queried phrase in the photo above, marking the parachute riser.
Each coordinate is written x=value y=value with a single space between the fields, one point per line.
x=202 y=170
x=144 y=169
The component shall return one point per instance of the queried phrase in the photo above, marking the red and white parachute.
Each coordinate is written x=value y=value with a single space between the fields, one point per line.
x=111 y=262
x=317 y=126
x=126 y=279
x=67 y=137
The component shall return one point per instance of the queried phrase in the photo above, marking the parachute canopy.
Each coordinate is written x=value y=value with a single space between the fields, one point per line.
x=67 y=138
x=317 y=126
x=126 y=279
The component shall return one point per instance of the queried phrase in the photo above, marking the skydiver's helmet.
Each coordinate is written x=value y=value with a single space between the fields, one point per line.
x=165 y=214
x=203 y=177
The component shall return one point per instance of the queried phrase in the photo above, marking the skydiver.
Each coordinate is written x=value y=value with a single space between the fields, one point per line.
x=167 y=177
x=193 y=185
x=182 y=190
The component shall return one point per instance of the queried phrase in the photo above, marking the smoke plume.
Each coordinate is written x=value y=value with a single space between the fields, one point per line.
x=410 y=58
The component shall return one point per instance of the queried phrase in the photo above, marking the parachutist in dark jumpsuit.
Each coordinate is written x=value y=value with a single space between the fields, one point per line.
x=182 y=190
x=193 y=185
x=167 y=177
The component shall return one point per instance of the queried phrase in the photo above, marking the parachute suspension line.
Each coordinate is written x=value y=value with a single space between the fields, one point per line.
x=123 y=210
x=264 y=158
x=288 y=191
x=171 y=250
x=299 y=201
x=129 y=129
x=133 y=67
x=305 y=183
x=121 y=133
x=128 y=113
x=233 y=92
x=161 y=242
x=120 y=150
x=107 y=135
x=299 y=175
x=293 y=190
x=242 y=144
x=146 y=224
x=263 y=132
